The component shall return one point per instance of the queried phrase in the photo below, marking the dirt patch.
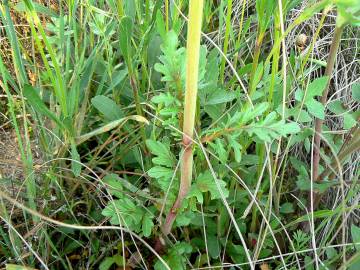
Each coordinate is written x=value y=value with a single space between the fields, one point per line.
x=23 y=32
x=10 y=158
x=11 y=166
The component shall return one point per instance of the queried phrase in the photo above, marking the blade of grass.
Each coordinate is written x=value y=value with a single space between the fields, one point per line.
x=109 y=127
x=11 y=33
x=226 y=38
x=57 y=82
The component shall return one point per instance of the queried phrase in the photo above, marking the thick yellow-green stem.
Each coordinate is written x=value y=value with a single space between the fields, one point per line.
x=192 y=67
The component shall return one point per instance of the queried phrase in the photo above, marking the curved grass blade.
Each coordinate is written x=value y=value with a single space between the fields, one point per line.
x=110 y=126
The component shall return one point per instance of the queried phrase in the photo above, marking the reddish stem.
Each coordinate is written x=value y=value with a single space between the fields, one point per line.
x=185 y=183
x=319 y=122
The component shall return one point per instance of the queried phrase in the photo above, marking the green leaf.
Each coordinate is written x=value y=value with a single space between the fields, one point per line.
x=30 y=93
x=116 y=78
x=118 y=260
x=72 y=246
x=109 y=261
x=300 y=115
x=250 y=160
x=214 y=111
x=251 y=114
x=331 y=253
x=184 y=218
x=124 y=211
x=309 y=263
x=304 y=117
x=176 y=257
x=164 y=98
x=269 y=128
x=147 y=224
x=202 y=65
x=243 y=117
x=153 y=53
x=349 y=121
x=355 y=263
x=220 y=96
x=355 y=91
x=114 y=185
x=236 y=147
x=160 y=24
x=196 y=192
x=106 y=263
x=160 y=172
x=212 y=68
x=220 y=150
x=206 y=183
x=315 y=88
x=75 y=162
x=316 y=108
x=116 y=181
x=107 y=107
x=305 y=185
x=163 y=176
x=213 y=246
x=160 y=266
x=258 y=74
x=162 y=152
x=299 y=94
x=287 y=208
x=126 y=27
x=289 y=128
x=237 y=253
x=336 y=107
x=355 y=235
x=172 y=65
x=348 y=12
x=130 y=8
x=301 y=136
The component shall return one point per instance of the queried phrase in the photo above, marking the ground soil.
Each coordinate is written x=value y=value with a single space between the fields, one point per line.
x=11 y=167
